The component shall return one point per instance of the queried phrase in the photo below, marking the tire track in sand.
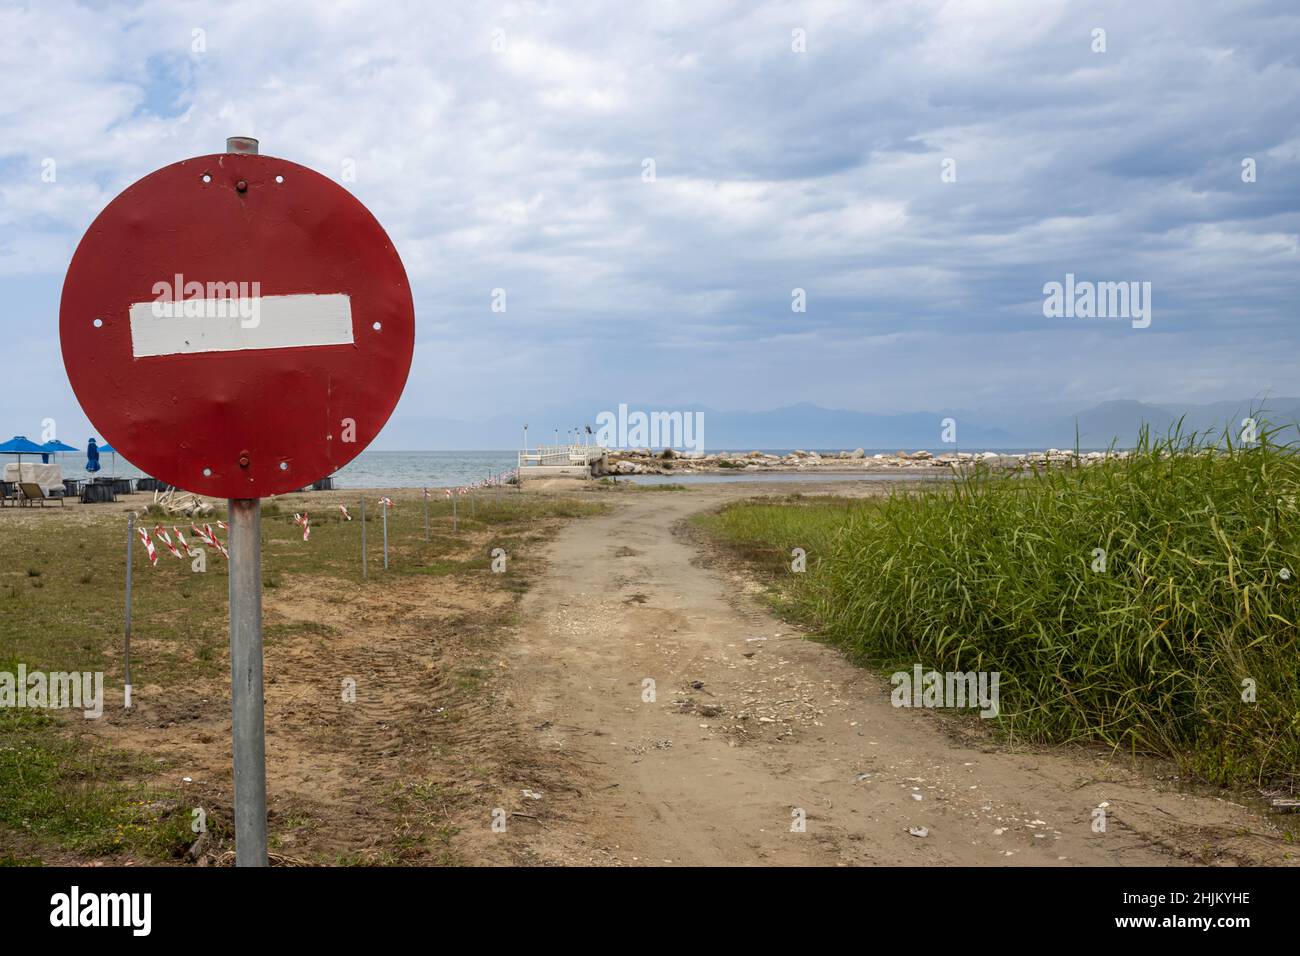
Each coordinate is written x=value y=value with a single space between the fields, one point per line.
x=751 y=722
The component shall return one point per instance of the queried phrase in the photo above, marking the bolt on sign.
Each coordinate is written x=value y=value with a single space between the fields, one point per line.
x=237 y=325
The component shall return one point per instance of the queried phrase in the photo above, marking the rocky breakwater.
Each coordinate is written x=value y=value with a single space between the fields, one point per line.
x=644 y=461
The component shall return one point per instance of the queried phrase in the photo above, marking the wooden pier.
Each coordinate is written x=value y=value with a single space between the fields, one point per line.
x=563 y=461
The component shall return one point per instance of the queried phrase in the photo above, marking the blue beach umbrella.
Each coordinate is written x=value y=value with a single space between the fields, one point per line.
x=19 y=445
x=53 y=447
x=107 y=449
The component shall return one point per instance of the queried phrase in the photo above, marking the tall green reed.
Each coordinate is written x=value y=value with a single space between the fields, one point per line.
x=1148 y=601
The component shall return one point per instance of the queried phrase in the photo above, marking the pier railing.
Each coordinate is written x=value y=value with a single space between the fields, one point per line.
x=580 y=455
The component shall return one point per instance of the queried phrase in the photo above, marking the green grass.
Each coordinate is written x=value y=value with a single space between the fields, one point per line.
x=61 y=590
x=61 y=609
x=505 y=508
x=768 y=530
x=53 y=790
x=1200 y=593
x=623 y=484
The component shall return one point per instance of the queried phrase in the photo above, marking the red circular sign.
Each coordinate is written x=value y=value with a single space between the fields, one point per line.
x=237 y=325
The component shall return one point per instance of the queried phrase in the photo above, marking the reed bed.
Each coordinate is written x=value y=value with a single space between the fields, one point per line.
x=1149 y=602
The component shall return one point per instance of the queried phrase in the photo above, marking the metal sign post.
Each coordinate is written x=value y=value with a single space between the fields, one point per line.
x=247 y=721
x=130 y=545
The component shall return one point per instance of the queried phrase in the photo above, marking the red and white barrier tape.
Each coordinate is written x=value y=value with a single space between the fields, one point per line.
x=148 y=545
x=161 y=534
x=210 y=539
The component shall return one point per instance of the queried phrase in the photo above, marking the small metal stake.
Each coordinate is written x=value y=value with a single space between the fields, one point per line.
x=384 y=505
x=365 y=569
x=130 y=547
x=426 y=515
x=454 y=496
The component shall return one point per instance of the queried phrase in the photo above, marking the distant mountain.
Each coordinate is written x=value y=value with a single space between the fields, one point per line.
x=1109 y=422
x=1122 y=420
x=810 y=426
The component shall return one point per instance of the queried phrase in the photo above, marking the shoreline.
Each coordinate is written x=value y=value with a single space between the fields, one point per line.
x=642 y=461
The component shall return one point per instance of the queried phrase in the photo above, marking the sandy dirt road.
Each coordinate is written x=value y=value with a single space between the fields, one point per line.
x=752 y=723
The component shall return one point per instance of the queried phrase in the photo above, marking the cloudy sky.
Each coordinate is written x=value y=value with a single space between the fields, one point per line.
x=794 y=146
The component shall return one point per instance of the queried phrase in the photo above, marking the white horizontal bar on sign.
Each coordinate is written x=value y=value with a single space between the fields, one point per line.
x=239 y=325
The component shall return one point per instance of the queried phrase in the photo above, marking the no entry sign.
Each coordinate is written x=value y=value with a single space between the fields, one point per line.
x=237 y=325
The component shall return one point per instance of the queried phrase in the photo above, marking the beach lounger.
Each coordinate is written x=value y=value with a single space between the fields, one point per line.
x=8 y=493
x=31 y=491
